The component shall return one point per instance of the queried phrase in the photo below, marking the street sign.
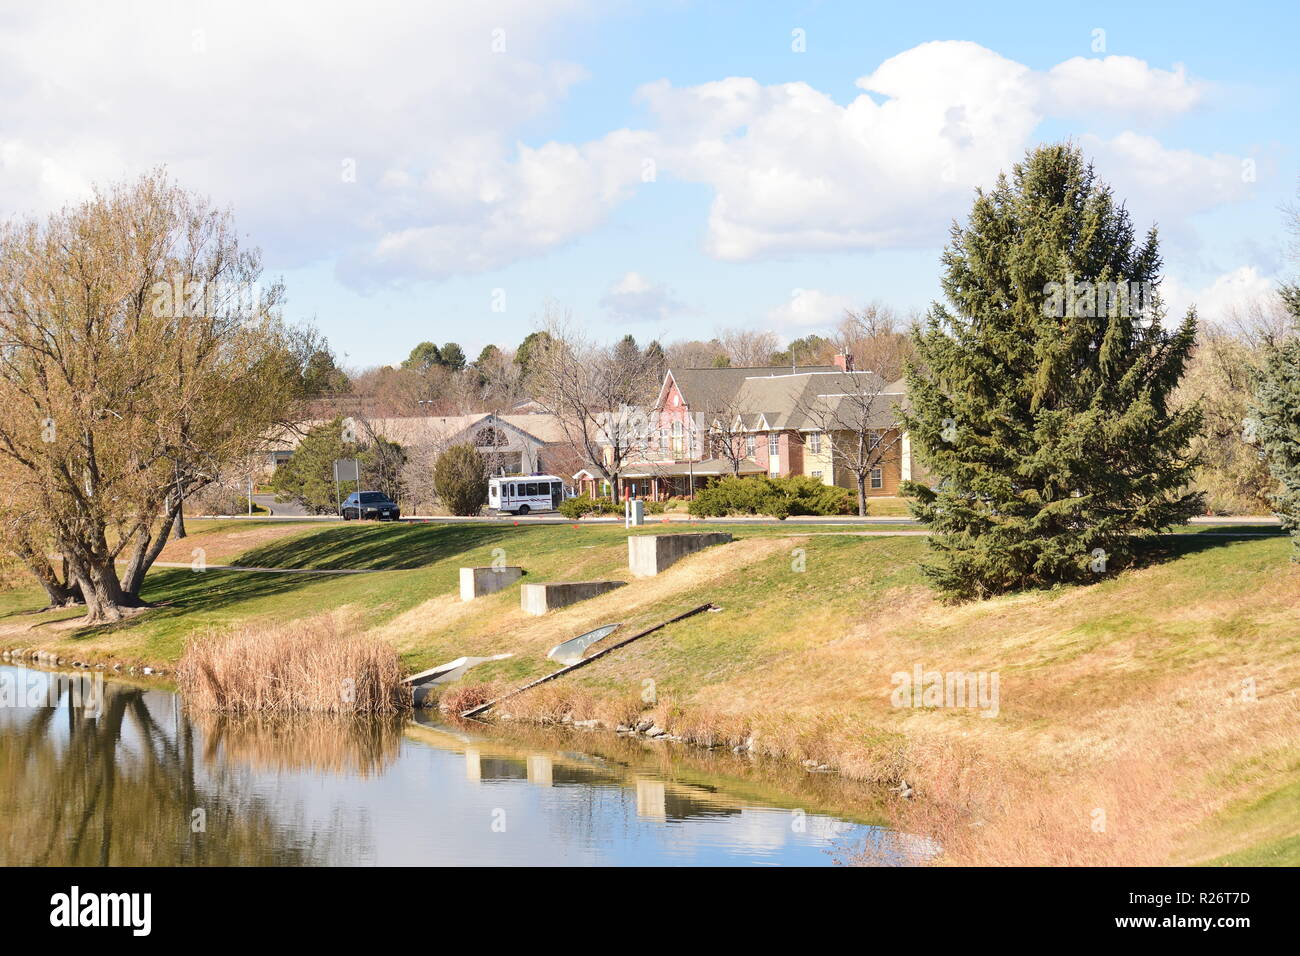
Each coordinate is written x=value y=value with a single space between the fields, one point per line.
x=346 y=469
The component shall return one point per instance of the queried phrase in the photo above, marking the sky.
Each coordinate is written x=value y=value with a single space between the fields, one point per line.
x=444 y=171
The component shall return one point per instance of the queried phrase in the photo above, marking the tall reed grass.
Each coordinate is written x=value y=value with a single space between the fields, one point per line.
x=314 y=665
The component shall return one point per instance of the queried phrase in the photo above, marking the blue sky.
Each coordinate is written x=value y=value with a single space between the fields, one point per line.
x=500 y=153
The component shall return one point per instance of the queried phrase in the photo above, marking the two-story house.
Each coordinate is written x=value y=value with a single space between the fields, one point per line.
x=823 y=421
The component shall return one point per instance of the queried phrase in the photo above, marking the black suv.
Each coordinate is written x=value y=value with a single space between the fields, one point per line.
x=370 y=504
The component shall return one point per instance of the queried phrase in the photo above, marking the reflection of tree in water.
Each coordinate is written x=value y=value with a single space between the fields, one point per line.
x=122 y=790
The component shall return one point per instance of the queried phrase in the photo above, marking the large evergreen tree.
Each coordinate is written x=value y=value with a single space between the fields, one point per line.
x=1274 y=423
x=1040 y=399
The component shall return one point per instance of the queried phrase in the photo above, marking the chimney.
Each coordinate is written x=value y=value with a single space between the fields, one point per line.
x=844 y=362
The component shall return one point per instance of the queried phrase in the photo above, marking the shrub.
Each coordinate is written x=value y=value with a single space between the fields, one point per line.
x=654 y=507
x=575 y=508
x=778 y=497
x=460 y=479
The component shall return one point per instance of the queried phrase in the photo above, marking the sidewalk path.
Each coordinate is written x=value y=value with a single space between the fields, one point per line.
x=237 y=567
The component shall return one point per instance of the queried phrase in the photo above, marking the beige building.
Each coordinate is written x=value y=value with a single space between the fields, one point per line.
x=517 y=444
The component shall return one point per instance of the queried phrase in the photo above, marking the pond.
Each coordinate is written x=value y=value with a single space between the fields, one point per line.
x=111 y=772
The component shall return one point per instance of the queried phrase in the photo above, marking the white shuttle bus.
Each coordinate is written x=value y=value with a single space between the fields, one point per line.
x=525 y=494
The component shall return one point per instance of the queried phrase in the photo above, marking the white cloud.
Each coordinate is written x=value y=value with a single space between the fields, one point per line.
x=1120 y=85
x=809 y=307
x=634 y=298
x=474 y=217
x=794 y=172
x=262 y=105
x=267 y=110
x=1232 y=291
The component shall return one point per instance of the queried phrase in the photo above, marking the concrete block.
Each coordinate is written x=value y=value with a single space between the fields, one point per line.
x=649 y=554
x=541 y=598
x=476 y=582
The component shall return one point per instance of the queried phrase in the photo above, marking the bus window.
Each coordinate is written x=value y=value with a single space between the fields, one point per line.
x=530 y=489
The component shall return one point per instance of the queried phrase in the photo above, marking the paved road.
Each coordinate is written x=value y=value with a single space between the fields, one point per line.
x=278 y=509
x=282 y=513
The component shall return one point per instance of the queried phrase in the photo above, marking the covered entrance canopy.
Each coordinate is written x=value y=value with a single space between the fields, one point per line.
x=658 y=480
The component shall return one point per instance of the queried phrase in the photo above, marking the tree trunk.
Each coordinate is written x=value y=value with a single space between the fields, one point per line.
x=61 y=593
x=105 y=600
x=146 y=553
x=862 y=495
x=178 y=527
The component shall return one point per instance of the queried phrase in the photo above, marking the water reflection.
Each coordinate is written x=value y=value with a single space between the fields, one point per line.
x=321 y=743
x=130 y=781
x=118 y=785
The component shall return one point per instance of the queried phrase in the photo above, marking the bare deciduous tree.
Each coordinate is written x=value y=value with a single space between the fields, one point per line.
x=748 y=348
x=854 y=409
x=694 y=354
x=874 y=337
x=598 y=393
x=138 y=353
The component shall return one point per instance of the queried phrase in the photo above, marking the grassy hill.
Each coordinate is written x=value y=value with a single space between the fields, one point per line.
x=1147 y=718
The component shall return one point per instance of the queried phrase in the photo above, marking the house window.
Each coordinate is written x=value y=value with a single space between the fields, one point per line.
x=751 y=445
x=877 y=478
x=773 y=444
x=815 y=443
x=677 y=439
x=817 y=475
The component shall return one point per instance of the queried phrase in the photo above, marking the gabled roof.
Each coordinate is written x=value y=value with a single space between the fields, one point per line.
x=706 y=388
x=772 y=399
x=543 y=426
x=414 y=430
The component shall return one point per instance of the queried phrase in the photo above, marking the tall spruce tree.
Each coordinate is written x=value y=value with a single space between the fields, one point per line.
x=1040 y=401
x=1274 y=423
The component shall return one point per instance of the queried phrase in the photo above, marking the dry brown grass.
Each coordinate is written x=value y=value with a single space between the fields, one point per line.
x=309 y=666
x=462 y=697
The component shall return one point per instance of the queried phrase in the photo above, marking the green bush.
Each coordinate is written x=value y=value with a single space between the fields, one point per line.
x=654 y=507
x=777 y=497
x=575 y=508
x=460 y=479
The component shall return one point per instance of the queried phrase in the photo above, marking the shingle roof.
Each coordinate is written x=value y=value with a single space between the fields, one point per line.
x=776 y=398
x=716 y=387
x=417 y=430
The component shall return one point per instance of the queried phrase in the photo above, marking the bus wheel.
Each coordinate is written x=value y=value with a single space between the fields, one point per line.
x=524 y=509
